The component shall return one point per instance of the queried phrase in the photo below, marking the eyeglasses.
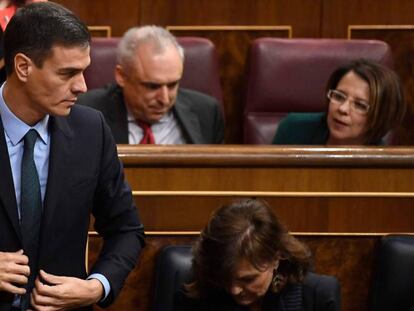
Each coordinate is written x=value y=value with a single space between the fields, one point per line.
x=357 y=105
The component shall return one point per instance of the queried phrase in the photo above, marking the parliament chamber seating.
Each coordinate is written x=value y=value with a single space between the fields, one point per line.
x=289 y=75
x=103 y=61
x=172 y=269
x=201 y=71
x=394 y=279
x=339 y=201
x=200 y=65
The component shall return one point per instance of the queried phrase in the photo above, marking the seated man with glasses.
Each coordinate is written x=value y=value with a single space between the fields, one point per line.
x=364 y=101
x=146 y=105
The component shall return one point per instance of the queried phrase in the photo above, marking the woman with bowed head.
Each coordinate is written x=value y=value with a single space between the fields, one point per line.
x=245 y=259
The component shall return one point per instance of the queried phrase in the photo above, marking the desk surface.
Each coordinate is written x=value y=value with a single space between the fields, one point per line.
x=320 y=189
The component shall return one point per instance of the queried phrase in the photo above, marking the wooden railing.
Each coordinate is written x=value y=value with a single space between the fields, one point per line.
x=312 y=189
x=339 y=201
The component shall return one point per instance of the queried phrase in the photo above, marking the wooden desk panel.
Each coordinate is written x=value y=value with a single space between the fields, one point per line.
x=299 y=214
x=311 y=189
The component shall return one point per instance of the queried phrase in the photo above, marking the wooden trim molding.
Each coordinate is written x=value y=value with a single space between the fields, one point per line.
x=377 y=27
x=105 y=30
x=278 y=194
x=264 y=156
x=287 y=28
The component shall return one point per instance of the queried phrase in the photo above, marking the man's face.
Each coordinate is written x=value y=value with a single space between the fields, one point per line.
x=150 y=82
x=53 y=88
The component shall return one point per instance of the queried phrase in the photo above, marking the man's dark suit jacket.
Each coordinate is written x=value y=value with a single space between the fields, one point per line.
x=199 y=115
x=85 y=176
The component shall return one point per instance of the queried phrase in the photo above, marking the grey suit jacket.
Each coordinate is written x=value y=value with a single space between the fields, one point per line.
x=199 y=115
x=85 y=177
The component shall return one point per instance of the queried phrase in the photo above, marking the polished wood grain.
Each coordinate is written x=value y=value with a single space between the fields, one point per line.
x=100 y=31
x=302 y=214
x=394 y=35
x=315 y=189
x=313 y=19
x=351 y=258
x=302 y=15
x=119 y=15
x=234 y=155
x=232 y=44
x=338 y=14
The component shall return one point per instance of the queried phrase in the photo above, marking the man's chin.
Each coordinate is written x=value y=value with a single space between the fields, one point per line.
x=61 y=112
x=155 y=118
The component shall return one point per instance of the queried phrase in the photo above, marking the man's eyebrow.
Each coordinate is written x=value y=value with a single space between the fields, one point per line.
x=69 y=70
x=159 y=83
x=173 y=82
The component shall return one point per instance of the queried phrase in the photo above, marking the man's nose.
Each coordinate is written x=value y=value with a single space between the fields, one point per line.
x=79 y=84
x=163 y=94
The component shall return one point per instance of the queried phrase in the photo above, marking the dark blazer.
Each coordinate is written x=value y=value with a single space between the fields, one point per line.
x=305 y=128
x=199 y=115
x=85 y=176
x=318 y=293
x=302 y=129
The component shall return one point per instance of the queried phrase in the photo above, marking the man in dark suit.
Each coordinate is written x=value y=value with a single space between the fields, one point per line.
x=58 y=164
x=147 y=97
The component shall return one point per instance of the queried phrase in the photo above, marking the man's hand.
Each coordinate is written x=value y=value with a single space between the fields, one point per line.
x=64 y=293
x=14 y=270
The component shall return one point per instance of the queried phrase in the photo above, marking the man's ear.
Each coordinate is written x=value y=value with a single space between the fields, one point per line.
x=23 y=65
x=120 y=75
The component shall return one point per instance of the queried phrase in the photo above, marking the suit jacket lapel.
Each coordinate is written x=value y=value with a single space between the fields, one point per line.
x=116 y=115
x=60 y=149
x=188 y=120
x=7 y=191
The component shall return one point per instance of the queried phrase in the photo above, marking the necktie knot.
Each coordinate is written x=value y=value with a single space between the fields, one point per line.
x=30 y=139
x=147 y=135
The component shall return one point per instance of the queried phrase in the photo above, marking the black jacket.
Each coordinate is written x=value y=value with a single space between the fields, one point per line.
x=318 y=293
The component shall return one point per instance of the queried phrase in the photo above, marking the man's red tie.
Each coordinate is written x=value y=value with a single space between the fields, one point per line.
x=148 y=136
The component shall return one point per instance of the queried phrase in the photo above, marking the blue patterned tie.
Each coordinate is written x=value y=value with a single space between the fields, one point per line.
x=31 y=211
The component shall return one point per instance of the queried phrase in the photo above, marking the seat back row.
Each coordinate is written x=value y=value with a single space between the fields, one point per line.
x=283 y=75
x=391 y=289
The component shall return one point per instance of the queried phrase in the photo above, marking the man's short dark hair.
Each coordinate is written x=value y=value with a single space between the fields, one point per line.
x=35 y=29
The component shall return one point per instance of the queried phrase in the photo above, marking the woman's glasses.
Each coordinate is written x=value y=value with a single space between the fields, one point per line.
x=357 y=105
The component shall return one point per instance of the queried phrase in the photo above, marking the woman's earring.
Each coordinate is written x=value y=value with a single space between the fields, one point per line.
x=276 y=280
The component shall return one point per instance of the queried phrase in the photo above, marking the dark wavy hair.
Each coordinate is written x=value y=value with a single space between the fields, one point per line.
x=386 y=96
x=36 y=28
x=249 y=230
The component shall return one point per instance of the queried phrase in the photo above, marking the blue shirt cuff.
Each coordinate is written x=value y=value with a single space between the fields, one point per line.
x=101 y=278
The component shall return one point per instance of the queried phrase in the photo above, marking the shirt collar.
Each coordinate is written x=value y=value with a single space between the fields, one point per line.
x=165 y=118
x=15 y=128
